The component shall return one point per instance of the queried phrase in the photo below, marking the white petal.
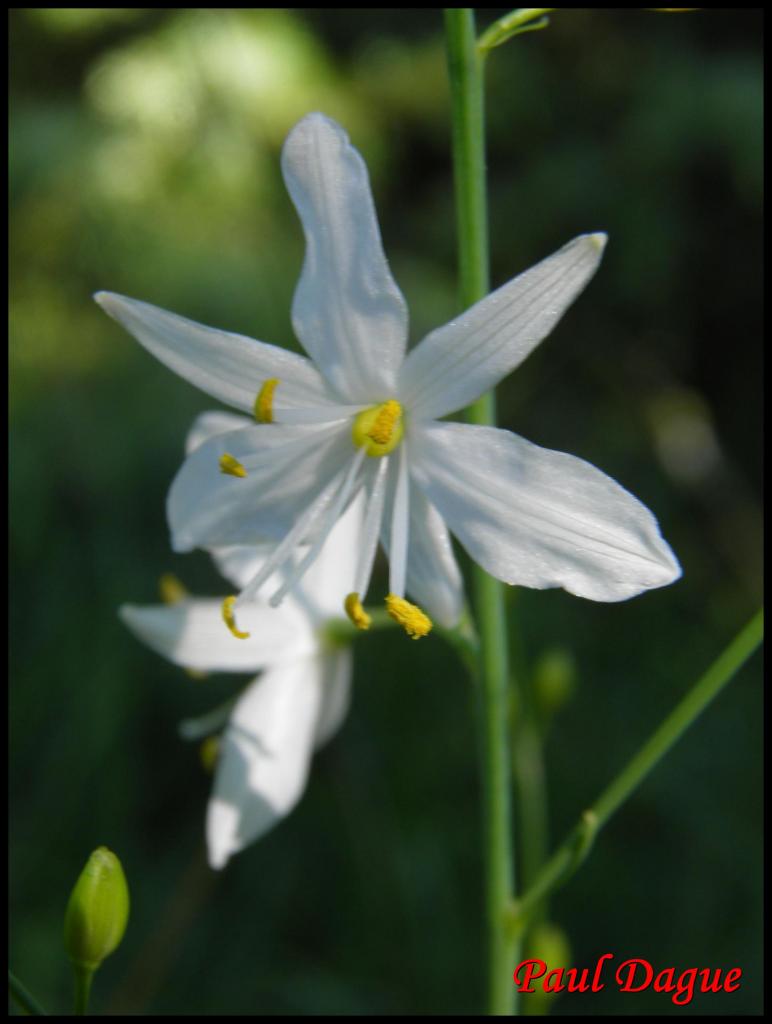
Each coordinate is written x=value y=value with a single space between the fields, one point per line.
x=325 y=585
x=239 y=563
x=347 y=312
x=210 y=424
x=375 y=490
x=286 y=467
x=336 y=694
x=433 y=577
x=457 y=363
x=308 y=527
x=192 y=634
x=323 y=588
x=229 y=367
x=326 y=523
x=264 y=757
x=540 y=518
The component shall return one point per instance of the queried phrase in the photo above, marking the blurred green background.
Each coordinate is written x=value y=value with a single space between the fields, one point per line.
x=144 y=154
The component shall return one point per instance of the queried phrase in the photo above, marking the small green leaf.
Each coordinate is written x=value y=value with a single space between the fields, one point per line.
x=524 y=19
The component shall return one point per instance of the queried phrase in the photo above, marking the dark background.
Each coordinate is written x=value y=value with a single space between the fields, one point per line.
x=145 y=160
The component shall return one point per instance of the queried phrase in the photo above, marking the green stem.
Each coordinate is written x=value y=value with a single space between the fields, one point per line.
x=468 y=112
x=467 y=101
x=573 y=851
x=83 y=977
x=23 y=997
x=463 y=639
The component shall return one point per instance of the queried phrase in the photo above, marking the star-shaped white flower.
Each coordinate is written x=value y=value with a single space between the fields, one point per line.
x=362 y=416
x=297 y=702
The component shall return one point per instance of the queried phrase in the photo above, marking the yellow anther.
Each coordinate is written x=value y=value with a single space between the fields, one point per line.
x=264 y=401
x=356 y=612
x=415 y=622
x=209 y=752
x=383 y=427
x=230 y=619
x=231 y=466
x=170 y=589
x=379 y=429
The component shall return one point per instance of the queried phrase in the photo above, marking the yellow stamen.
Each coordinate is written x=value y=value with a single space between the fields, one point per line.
x=209 y=752
x=382 y=428
x=356 y=612
x=415 y=622
x=264 y=401
x=170 y=589
x=230 y=619
x=379 y=429
x=231 y=466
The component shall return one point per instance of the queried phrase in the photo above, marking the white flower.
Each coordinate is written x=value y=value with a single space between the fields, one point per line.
x=293 y=707
x=362 y=416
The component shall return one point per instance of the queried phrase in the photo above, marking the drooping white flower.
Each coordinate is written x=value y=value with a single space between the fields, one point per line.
x=362 y=416
x=298 y=700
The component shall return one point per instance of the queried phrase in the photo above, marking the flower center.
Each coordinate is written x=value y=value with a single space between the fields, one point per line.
x=379 y=430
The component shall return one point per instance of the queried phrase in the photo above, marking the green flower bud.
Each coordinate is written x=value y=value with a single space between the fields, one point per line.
x=98 y=910
x=554 y=680
x=547 y=942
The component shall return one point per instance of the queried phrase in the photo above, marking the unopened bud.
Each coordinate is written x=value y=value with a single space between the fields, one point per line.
x=554 y=680
x=549 y=943
x=98 y=910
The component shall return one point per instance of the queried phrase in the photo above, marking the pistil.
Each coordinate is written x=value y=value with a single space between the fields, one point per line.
x=379 y=429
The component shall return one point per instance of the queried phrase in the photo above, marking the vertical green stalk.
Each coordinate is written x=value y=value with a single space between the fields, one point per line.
x=83 y=977
x=467 y=102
